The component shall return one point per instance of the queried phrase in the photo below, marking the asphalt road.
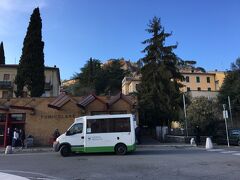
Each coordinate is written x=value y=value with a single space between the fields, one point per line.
x=146 y=163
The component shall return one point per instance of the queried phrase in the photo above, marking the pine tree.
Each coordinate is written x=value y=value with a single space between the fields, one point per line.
x=30 y=71
x=159 y=94
x=2 y=56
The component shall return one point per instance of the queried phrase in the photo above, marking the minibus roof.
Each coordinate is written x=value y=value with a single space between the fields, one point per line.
x=103 y=116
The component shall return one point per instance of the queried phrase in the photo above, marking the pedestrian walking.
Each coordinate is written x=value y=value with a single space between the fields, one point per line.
x=22 y=137
x=138 y=134
x=56 y=134
x=198 y=137
x=15 y=138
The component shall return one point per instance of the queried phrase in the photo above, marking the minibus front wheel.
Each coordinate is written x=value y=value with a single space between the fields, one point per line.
x=121 y=149
x=65 y=150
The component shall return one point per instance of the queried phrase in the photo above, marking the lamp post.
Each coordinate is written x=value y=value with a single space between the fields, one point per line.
x=230 y=110
x=185 y=114
x=225 y=116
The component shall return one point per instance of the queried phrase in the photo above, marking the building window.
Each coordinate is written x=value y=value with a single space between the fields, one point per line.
x=2 y=117
x=187 y=78
x=6 y=77
x=188 y=89
x=199 y=89
x=208 y=79
x=209 y=89
x=17 y=117
x=137 y=87
x=198 y=79
x=24 y=94
x=5 y=94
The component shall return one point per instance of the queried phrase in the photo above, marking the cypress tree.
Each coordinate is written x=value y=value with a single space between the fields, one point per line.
x=30 y=71
x=2 y=56
x=159 y=95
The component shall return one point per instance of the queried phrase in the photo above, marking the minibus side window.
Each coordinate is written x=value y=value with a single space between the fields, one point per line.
x=108 y=125
x=119 y=125
x=76 y=129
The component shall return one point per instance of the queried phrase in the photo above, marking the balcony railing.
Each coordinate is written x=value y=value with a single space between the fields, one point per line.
x=6 y=85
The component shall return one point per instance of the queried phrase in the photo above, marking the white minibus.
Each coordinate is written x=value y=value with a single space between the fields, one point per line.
x=98 y=133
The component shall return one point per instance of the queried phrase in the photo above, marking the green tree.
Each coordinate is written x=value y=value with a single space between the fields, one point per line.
x=30 y=72
x=205 y=113
x=2 y=56
x=159 y=96
x=113 y=75
x=231 y=86
x=88 y=78
x=99 y=78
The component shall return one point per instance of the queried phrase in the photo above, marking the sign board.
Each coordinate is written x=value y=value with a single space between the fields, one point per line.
x=225 y=114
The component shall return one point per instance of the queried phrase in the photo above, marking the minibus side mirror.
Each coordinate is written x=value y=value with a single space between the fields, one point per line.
x=68 y=133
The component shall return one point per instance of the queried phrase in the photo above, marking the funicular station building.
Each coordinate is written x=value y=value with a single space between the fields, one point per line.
x=39 y=117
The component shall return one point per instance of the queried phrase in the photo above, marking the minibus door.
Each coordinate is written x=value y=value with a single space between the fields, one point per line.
x=75 y=135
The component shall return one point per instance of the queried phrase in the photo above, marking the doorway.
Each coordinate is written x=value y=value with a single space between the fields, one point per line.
x=2 y=127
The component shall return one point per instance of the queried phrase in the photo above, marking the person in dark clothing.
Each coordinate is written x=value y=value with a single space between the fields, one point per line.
x=56 y=134
x=138 y=134
x=22 y=137
x=197 y=133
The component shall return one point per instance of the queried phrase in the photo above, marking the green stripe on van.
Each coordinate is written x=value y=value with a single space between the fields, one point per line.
x=77 y=149
x=100 y=149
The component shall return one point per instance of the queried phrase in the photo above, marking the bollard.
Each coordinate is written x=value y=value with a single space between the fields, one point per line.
x=8 y=150
x=192 y=142
x=209 y=144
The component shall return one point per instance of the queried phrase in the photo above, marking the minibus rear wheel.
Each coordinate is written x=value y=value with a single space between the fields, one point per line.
x=120 y=149
x=65 y=150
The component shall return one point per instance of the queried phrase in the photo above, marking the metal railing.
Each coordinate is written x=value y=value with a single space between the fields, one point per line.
x=6 y=85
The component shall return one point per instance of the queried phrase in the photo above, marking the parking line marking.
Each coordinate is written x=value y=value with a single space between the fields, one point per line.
x=237 y=154
x=29 y=173
x=215 y=150
x=27 y=154
x=228 y=152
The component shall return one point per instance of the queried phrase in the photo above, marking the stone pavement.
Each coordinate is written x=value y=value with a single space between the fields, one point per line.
x=28 y=150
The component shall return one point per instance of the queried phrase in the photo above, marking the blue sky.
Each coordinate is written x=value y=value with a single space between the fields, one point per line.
x=75 y=30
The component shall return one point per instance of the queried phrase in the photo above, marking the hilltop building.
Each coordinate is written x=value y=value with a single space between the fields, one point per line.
x=196 y=83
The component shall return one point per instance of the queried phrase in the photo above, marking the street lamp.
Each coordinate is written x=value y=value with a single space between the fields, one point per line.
x=185 y=114
x=225 y=116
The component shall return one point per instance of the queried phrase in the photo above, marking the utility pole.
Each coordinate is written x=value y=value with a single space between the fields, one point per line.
x=185 y=114
x=225 y=116
x=230 y=110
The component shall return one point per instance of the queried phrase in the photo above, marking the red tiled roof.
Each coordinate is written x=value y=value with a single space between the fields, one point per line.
x=59 y=101
x=114 y=99
x=87 y=100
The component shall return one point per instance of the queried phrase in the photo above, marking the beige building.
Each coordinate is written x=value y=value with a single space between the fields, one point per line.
x=202 y=81
x=8 y=73
x=130 y=84
x=39 y=117
x=196 y=83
